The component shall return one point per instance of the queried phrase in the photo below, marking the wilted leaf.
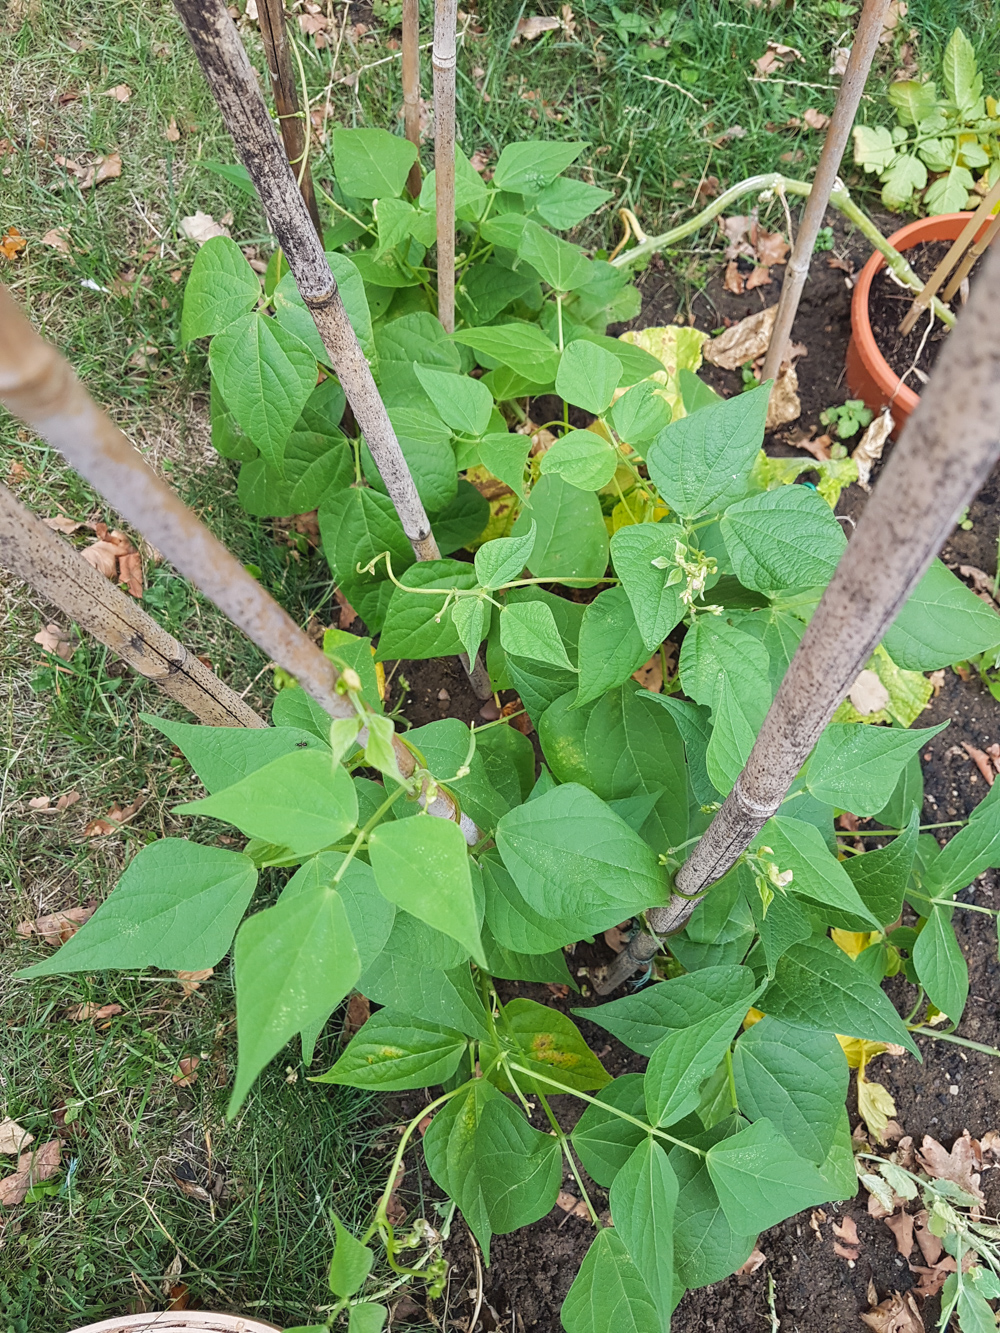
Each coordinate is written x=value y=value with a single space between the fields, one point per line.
x=771 y=246
x=875 y=1105
x=32 y=1168
x=896 y=1314
x=784 y=404
x=104 y=169
x=191 y=981
x=901 y=1226
x=816 y=120
x=733 y=281
x=870 y=446
x=358 y=1013
x=114 y=818
x=104 y=558
x=848 y=1242
x=958 y=1166
x=57 y=927
x=755 y=1261
x=742 y=342
x=13 y=1139
x=868 y=694
x=59 y=522
x=81 y=1013
x=201 y=227
x=121 y=92
x=759 y=277
x=841 y=55
x=12 y=243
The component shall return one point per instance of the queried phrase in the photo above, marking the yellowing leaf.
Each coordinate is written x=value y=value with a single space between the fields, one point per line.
x=853 y=942
x=754 y=1016
x=875 y=1105
x=678 y=348
x=859 y=1052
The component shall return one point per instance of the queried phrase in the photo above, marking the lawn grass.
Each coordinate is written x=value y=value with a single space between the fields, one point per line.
x=655 y=127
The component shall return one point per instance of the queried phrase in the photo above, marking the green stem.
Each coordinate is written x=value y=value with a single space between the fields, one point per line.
x=341 y=209
x=839 y=199
x=559 y=320
x=362 y=833
x=731 y=1078
x=959 y=1041
x=564 y=1144
x=606 y=1106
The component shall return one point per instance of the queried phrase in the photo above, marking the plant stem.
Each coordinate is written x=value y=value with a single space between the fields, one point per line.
x=840 y=199
x=564 y=1144
x=364 y=832
x=295 y=127
x=444 y=60
x=605 y=1106
x=959 y=1041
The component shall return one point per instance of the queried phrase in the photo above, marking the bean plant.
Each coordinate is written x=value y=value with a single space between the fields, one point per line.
x=663 y=518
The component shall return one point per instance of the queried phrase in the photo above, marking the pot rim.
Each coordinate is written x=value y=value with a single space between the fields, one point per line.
x=900 y=395
x=180 y=1321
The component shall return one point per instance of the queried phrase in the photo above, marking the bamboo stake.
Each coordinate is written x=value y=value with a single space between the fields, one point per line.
x=411 y=89
x=945 y=454
x=38 y=385
x=445 y=59
x=286 y=100
x=60 y=574
x=975 y=252
x=234 y=84
x=955 y=252
x=848 y=100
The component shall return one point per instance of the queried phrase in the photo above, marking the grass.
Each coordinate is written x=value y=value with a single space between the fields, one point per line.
x=655 y=118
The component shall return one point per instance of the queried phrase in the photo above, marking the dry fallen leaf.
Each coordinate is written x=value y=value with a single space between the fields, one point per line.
x=60 y=523
x=650 y=674
x=896 y=1314
x=103 y=556
x=982 y=762
x=173 y=1272
x=770 y=246
x=112 y=821
x=54 y=639
x=121 y=92
x=869 y=448
x=172 y=133
x=616 y=938
x=868 y=694
x=81 y=1013
x=742 y=342
x=846 y=1232
x=58 y=239
x=14 y=1139
x=12 y=243
x=532 y=26
x=32 y=1168
x=755 y=1261
x=187 y=1073
x=890 y=20
x=358 y=1013
x=816 y=120
x=758 y=277
x=958 y=1166
x=931 y=1246
x=839 y=56
x=191 y=981
x=784 y=404
x=201 y=227
x=104 y=169
x=901 y=1226
x=57 y=927
x=775 y=57
x=733 y=281
x=875 y=1105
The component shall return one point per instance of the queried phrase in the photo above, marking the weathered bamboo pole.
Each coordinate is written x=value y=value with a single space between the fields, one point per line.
x=445 y=60
x=274 y=35
x=411 y=89
x=234 y=84
x=60 y=574
x=945 y=454
x=38 y=385
x=848 y=99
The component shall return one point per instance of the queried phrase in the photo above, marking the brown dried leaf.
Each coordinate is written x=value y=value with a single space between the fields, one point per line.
x=114 y=818
x=896 y=1314
x=869 y=448
x=81 y=1013
x=59 y=522
x=187 y=1071
x=930 y=1245
x=733 y=281
x=172 y=133
x=616 y=938
x=868 y=694
x=39 y=803
x=359 y=1011
x=121 y=92
x=12 y=243
x=58 y=239
x=191 y=981
x=775 y=57
x=13 y=1139
x=201 y=227
x=818 y=447
x=130 y=572
x=104 y=558
x=32 y=1168
x=982 y=584
x=650 y=674
x=57 y=927
x=816 y=120
x=931 y=1280
x=841 y=55
x=760 y=277
x=769 y=246
x=104 y=169
x=533 y=26
x=785 y=404
x=847 y=1231
x=743 y=342
x=901 y=1226
x=956 y=1166
x=750 y=1265
x=982 y=762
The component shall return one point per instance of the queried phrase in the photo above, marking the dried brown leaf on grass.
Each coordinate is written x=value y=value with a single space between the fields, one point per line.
x=82 y=1013
x=776 y=57
x=896 y=1314
x=784 y=404
x=12 y=243
x=756 y=1260
x=58 y=239
x=54 y=639
x=532 y=26
x=115 y=817
x=171 y=133
x=13 y=1138
x=191 y=981
x=96 y=173
x=358 y=1013
x=59 y=522
x=57 y=927
x=187 y=1071
x=839 y=57
x=121 y=92
x=848 y=1242
x=201 y=227
x=43 y=804
x=32 y=1168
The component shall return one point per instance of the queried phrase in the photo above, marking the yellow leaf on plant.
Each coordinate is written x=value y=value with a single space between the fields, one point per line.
x=875 y=1105
x=754 y=1016
x=854 y=942
x=859 y=1052
x=677 y=348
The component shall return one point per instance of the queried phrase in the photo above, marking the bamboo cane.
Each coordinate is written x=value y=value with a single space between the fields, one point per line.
x=411 y=89
x=945 y=454
x=848 y=100
x=233 y=82
x=38 y=385
x=60 y=574
x=274 y=35
x=445 y=59
x=955 y=252
x=975 y=252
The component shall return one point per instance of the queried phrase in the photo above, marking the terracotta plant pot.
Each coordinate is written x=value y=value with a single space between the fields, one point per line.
x=869 y=375
x=183 y=1321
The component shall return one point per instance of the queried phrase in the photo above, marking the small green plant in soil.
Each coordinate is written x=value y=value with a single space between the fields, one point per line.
x=847 y=419
x=728 y=1130
x=943 y=153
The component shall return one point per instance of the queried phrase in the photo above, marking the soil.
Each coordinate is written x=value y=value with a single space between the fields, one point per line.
x=888 y=304
x=814 y=1290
